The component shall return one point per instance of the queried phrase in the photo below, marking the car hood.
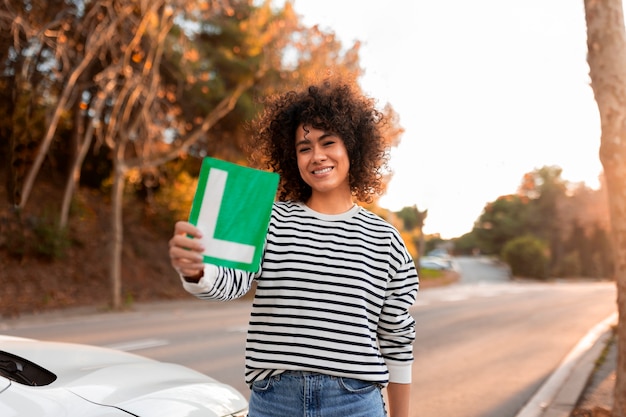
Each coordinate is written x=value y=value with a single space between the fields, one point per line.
x=127 y=381
x=174 y=387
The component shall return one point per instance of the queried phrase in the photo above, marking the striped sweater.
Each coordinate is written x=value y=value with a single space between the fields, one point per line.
x=333 y=294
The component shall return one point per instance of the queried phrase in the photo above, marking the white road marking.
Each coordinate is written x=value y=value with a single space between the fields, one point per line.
x=138 y=344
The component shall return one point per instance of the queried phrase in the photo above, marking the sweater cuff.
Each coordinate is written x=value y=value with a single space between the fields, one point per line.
x=206 y=282
x=400 y=373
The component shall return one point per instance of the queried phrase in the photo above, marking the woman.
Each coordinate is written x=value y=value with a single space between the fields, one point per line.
x=330 y=325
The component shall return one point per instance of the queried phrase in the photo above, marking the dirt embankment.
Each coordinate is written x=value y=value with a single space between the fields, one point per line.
x=79 y=274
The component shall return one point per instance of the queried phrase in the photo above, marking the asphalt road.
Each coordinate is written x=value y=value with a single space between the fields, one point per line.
x=484 y=346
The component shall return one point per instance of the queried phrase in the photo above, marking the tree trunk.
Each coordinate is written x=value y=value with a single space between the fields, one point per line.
x=52 y=127
x=73 y=176
x=84 y=137
x=100 y=35
x=606 y=43
x=117 y=231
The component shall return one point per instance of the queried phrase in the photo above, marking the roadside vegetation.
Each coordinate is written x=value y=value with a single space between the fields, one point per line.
x=549 y=228
x=109 y=107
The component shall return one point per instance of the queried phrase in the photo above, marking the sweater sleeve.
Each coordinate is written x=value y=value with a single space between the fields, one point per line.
x=396 y=328
x=220 y=284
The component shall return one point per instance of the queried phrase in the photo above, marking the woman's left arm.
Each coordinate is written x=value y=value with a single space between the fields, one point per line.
x=396 y=333
x=399 y=396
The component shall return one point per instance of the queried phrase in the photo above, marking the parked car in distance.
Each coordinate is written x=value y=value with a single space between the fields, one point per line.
x=439 y=253
x=435 y=263
x=45 y=379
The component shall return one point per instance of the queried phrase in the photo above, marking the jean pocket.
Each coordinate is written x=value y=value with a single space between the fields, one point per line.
x=262 y=385
x=356 y=385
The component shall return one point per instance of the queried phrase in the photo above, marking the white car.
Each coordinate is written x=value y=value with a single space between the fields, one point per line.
x=46 y=379
x=432 y=262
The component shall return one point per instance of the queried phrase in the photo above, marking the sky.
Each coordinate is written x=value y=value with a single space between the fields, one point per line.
x=486 y=91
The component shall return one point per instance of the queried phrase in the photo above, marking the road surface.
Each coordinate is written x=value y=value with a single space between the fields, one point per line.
x=484 y=346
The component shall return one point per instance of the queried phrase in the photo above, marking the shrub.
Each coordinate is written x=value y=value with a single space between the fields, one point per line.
x=527 y=256
x=23 y=235
x=50 y=241
x=173 y=200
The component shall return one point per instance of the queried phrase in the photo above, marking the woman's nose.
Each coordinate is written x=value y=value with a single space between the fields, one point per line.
x=318 y=153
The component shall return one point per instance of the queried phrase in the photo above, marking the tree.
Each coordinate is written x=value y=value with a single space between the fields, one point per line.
x=502 y=220
x=606 y=47
x=30 y=46
x=142 y=101
x=546 y=191
x=131 y=99
x=140 y=84
x=413 y=222
x=412 y=218
x=553 y=210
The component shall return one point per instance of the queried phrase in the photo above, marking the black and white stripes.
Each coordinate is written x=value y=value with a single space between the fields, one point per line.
x=332 y=296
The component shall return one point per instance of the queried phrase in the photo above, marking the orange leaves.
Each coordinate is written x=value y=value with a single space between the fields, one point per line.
x=191 y=55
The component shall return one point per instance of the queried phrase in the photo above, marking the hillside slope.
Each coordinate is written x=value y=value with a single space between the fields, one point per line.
x=32 y=283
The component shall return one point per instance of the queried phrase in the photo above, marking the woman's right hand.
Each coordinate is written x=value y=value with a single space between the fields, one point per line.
x=186 y=250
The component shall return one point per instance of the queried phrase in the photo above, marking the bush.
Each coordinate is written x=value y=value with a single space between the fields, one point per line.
x=527 y=256
x=173 y=200
x=50 y=242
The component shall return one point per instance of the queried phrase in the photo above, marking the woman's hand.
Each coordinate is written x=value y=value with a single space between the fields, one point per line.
x=186 y=250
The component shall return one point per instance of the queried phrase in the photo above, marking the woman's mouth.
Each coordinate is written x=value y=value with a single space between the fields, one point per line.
x=322 y=171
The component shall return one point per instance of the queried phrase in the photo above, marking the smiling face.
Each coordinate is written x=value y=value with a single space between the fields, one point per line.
x=323 y=163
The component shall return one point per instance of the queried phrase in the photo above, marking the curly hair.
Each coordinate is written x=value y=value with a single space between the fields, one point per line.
x=336 y=106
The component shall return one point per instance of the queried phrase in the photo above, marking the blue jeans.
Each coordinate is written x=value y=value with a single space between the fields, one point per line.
x=309 y=394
